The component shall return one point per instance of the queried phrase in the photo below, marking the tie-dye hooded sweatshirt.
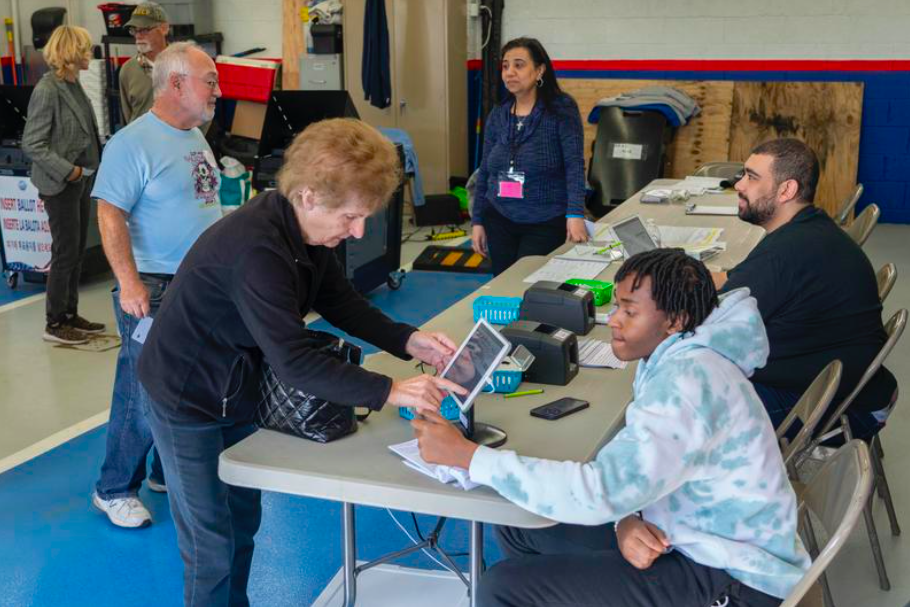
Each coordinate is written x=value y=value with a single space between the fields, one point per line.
x=697 y=457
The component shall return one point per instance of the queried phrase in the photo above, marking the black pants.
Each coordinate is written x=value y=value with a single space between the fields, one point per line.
x=509 y=241
x=68 y=216
x=581 y=566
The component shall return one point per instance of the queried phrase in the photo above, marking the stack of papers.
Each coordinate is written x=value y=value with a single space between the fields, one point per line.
x=596 y=353
x=444 y=474
x=561 y=270
x=696 y=186
x=700 y=243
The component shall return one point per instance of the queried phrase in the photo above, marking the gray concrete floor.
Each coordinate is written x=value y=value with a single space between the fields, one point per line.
x=49 y=394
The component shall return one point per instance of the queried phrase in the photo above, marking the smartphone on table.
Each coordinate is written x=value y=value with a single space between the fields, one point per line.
x=559 y=408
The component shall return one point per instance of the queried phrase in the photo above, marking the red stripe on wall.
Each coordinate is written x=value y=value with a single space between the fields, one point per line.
x=726 y=65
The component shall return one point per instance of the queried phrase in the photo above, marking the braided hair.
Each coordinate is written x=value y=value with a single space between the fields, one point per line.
x=681 y=287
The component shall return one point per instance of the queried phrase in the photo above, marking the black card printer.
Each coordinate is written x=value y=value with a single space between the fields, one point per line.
x=555 y=351
x=557 y=303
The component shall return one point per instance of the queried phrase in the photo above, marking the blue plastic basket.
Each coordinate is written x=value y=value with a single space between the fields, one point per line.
x=497 y=310
x=506 y=381
x=448 y=410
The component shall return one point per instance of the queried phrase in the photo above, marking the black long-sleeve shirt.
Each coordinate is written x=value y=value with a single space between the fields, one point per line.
x=240 y=294
x=818 y=297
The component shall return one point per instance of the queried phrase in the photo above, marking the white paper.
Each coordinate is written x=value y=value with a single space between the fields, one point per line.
x=597 y=353
x=410 y=451
x=591 y=229
x=699 y=185
x=675 y=236
x=628 y=151
x=561 y=270
x=704 y=209
x=589 y=252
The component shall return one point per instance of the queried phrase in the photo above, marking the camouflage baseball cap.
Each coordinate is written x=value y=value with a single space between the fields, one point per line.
x=147 y=14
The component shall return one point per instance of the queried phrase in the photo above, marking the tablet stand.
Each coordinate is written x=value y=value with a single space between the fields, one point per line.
x=481 y=433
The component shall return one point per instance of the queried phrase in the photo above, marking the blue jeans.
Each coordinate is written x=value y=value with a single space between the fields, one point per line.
x=215 y=522
x=129 y=438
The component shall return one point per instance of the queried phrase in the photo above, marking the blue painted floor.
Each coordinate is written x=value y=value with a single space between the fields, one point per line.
x=23 y=290
x=56 y=550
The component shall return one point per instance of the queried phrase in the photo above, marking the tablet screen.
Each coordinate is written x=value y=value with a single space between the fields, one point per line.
x=475 y=361
x=634 y=236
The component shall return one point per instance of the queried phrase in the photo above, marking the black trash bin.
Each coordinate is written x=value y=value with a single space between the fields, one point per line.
x=629 y=152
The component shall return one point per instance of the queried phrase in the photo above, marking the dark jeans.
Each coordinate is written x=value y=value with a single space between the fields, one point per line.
x=215 y=522
x=508 y=241
x=581 y=566
x=68 y=216
x=780 y=402
x=129 y=437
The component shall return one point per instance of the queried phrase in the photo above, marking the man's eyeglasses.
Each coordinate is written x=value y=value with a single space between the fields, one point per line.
x=133 y=31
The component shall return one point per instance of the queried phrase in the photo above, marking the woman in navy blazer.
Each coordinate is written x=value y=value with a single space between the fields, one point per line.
x=61 y=138
x=530 y=185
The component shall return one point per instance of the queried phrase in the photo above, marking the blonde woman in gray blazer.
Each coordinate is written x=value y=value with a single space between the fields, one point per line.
x=61 y=138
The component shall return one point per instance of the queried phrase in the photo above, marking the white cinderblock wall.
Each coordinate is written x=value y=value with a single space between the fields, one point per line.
x=618 y=29
x=244 y=23
x=714 y=29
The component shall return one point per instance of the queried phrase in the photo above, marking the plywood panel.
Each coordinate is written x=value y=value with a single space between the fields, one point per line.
x=826 y=115
x=707 y=136
x=292 y=43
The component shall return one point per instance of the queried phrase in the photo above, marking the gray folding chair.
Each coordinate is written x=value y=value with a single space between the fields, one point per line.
x=840 y=424
x=836 y=495
x=885 y=278
x=809 y=410
x=724 y=170
x=849 y=204
x=864 y=223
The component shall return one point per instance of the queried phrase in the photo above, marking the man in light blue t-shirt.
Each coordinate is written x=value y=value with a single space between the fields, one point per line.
x=157 y=191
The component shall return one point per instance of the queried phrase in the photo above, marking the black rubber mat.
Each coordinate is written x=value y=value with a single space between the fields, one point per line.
x=451 y=259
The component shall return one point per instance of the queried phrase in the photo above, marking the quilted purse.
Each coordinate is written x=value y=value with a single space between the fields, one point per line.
x=286 y=409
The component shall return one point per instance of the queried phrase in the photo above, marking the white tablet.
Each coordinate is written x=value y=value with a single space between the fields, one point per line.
x=633 y=235
x=474 y=362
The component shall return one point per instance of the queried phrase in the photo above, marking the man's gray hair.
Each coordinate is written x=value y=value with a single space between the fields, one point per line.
x=172 y=60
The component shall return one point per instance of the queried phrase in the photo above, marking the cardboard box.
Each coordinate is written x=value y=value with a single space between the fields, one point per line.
x=248 y=119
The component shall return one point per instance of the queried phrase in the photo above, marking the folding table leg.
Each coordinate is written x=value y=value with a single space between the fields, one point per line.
x=350 y=555
x=476 y=549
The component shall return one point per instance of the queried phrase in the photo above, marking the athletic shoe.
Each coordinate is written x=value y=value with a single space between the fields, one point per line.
x=86 y=326
x=125 y=512
x=63 y=334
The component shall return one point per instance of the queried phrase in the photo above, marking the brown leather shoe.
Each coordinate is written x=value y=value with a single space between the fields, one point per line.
x=64 y=334
x=86 y=326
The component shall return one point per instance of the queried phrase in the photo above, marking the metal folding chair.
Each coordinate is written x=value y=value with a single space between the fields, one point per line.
x=840 y=424
x=724 y=170
x=885 y=278
x=863 y=225
x=849 y=204
x=809 y=410
x=836 y=495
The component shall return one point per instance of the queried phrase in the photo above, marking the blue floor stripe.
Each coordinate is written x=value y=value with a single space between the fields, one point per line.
x=23 y=290
x=56 y=550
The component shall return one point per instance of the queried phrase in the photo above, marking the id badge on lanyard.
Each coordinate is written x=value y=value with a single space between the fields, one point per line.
x=511 y=184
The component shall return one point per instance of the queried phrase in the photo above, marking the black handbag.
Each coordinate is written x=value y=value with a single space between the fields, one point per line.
x=291 y=411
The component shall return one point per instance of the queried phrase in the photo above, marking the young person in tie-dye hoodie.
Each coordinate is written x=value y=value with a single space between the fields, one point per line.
x=695 y=484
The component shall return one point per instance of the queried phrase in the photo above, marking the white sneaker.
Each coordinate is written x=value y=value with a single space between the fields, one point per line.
x=123 y=511
x=156 y=487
